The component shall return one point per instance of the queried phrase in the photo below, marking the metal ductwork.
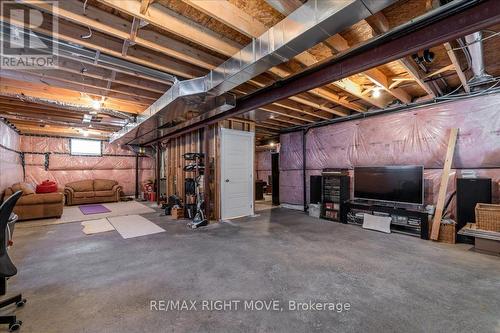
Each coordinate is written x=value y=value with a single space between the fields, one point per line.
x=205 y=96
x=76 y=52
x=475 y=46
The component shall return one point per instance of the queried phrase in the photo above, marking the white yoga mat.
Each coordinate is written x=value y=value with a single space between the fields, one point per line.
x=134 y=226
x=378 y=223
x=96 y=226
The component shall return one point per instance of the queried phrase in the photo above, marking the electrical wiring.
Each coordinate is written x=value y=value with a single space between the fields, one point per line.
x=477 y=41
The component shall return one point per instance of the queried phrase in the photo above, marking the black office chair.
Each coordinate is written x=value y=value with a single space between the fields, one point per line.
x=7 y=268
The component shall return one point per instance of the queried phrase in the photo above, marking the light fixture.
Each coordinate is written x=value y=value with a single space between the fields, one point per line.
x=376 y=92
x=86 y=118
x=96 y=105
x=272 y=144
x=271 y=116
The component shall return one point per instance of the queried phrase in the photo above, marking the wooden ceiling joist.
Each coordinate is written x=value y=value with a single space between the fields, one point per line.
x=282 y=112
x=100 y=73
x=10 y=88
x=457 y=66
x=145 y=96
x=95 y=18
x=71 y=32
x=45 y=80
x=158 y=15
x=286 y=7
x=145 y=6
x=236 y=18
x=57 y=131
x=177 y=24
x=115 y=26
x=379 y=25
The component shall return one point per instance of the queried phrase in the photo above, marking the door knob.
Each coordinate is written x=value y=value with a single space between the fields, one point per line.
x=227 y=180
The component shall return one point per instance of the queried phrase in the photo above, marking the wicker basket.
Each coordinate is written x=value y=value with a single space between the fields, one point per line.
x=488 y=217
x=447 y=231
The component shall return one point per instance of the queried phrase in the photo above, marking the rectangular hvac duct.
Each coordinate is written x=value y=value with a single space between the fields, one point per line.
x=309 y=25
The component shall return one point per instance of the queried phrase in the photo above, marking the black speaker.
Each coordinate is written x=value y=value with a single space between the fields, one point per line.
x=275 y=174
x=315 y=189
x=471 y=191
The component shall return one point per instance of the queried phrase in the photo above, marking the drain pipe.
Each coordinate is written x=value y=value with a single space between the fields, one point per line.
x=475 y=47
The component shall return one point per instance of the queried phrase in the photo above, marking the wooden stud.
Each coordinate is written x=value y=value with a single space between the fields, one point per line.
x=436 y=222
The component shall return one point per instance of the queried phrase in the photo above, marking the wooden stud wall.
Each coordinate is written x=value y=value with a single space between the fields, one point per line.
x=175 y=148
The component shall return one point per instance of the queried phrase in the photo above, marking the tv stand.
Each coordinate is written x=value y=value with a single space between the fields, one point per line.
x=410 y=221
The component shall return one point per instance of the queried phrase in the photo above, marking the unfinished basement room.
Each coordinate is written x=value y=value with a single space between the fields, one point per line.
x=250 y=166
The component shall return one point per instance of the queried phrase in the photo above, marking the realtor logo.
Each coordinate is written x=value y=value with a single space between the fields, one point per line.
x=26 y=36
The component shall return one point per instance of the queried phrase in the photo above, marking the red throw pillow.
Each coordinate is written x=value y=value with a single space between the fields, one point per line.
x=47 y=186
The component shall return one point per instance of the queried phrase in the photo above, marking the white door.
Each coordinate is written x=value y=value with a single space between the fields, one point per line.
x=237 y=155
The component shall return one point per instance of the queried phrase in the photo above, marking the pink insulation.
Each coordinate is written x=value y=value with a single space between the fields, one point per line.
x=418 y=136
x=11 y=170
x=116 y=163
x=263 y=165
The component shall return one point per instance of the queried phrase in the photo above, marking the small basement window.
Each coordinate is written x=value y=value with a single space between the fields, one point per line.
x=85 y=147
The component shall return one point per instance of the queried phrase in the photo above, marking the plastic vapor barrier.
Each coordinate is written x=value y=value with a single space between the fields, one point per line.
x=11 y=170
x=263 y=165
x=414 y=137
x=115 y=163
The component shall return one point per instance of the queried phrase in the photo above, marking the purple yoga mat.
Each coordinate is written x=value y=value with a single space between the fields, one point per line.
x=93 y=209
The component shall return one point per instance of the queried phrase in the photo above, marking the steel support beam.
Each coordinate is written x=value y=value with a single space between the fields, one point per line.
x=443 y=24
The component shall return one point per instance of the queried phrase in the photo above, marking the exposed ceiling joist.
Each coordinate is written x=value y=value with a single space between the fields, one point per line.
x=285 y=7
x=456 y=20
x=230 y=15
x=379 y=25
x=70 y=32
x=177 y=24
x=86 y=69
x=16 y=88
x=145 y=6
x=96 y=18
x=158 y=16
x=457 y=66
x=50 y=80
x=120 y=28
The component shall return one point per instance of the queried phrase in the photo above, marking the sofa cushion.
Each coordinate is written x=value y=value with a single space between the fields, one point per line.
x=37 y=199
x=109 y=193
x=104 y=184
x=25 y=187
x=89 y=194
x=82 y=185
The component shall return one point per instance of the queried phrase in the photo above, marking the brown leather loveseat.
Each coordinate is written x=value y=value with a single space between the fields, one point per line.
x=33 y=205
x=92 y=191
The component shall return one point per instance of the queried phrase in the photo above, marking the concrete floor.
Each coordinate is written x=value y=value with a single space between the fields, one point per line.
x=103 y=283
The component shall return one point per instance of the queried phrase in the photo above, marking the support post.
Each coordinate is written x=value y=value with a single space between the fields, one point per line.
x=304 y=192
x=207 y=175
x=158 y=166
x=137 y=175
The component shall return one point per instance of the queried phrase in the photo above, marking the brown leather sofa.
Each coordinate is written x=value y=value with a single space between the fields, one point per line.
x=33 y=205
x=92 y=191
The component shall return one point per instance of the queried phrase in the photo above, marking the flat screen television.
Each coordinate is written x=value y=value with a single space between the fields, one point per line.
x=402 y=184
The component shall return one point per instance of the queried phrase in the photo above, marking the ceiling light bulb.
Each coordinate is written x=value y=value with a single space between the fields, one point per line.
x=272 y=144
x=376 y=93
x=96 y=105
x=271 y=116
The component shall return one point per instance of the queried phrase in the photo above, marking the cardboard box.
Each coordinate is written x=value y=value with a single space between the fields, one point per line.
x=177 y=213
